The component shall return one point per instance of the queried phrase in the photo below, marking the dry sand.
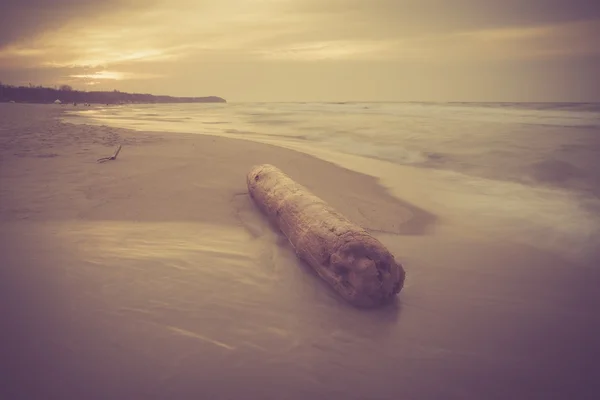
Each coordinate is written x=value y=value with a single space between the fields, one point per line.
x=154 y=276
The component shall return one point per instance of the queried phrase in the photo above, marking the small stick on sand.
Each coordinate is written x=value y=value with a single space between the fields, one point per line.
x=345 y=255
x=113 y=157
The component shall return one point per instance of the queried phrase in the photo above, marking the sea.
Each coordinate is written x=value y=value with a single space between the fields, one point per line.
x=525 y=172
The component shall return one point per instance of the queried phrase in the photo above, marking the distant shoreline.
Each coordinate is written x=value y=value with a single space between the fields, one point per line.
x=65 y=94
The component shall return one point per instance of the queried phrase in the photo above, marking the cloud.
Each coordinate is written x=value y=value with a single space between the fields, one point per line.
x=117 y=31
x=550 y=40
x=121 y=41
x=332 y=50
x=443 y=15
x=23 y=19
x=564 y=39
x=112 y=75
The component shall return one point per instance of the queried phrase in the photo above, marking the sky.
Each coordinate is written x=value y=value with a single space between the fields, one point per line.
x=309 y=50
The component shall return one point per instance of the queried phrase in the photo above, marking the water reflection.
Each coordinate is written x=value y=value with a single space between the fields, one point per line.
x=171 y=310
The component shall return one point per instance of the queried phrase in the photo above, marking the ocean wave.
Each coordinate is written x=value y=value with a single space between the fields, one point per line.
x=568 y=106
x=555 y=171
x=533 y=143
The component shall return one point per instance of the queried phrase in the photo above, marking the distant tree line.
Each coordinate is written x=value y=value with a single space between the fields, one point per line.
x=66 y=94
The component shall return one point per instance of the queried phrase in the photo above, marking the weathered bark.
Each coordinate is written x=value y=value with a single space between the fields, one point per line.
x=346 y=256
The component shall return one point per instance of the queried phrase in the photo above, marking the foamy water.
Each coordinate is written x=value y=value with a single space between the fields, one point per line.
x=528 y=172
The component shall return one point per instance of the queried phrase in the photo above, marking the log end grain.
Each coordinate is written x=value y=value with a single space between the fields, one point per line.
x=364 y=272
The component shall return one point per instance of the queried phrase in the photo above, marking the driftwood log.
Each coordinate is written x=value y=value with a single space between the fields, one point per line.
x=345 y=255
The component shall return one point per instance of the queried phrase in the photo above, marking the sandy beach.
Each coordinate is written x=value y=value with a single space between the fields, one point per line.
x=154 y=276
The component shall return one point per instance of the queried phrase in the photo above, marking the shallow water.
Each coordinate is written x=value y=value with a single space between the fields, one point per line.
x=531 y=143
x=161 y=310
x=525 y=172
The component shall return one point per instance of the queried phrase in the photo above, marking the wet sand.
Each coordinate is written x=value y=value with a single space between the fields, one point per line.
x=154 y=276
